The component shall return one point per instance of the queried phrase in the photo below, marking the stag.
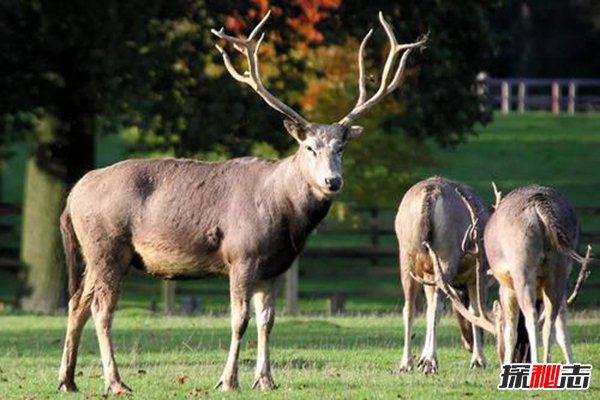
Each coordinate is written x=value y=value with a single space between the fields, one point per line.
x=246 y=218
x=530 y=242
x=432 y=213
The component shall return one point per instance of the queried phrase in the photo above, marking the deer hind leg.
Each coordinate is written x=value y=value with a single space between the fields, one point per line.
x=106 y=269
x=525 y=290
x=264 y=306
x=79 y=313
x=410 y=288
x=510 y=309
x=240 y=291
x=478 y=359
x=555 y=309
x=428 y=360
x=562 y=333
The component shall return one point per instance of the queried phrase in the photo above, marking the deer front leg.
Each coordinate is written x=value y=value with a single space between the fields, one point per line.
x=264 y=305
x=239 y=290
x=410 y=288
x=428 y=360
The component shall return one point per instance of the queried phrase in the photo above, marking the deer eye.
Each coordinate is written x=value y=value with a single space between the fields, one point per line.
x=314 y=153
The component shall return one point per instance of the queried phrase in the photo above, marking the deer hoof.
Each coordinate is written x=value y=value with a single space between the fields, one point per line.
x=67 y=385
x=428 y=366
x=119 y=389
x=227 y=385
x=479 y=362
x=264 y=382
x=405 y=366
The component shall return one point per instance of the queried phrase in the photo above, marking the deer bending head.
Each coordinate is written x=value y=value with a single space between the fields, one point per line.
x=321 y=145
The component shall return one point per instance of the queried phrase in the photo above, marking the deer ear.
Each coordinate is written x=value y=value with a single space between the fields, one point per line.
x=353 y=132
x=295 y=130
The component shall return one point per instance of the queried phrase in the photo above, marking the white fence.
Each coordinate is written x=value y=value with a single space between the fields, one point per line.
x=558 y=95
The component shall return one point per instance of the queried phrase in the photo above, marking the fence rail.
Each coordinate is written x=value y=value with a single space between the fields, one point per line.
x=557 y=95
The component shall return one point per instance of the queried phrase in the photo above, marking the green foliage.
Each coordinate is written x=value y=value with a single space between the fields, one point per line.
x=438 y=96
x=318 y=357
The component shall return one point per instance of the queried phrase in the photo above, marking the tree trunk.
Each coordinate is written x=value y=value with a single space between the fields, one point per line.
x=63 y=150
x=41 y=247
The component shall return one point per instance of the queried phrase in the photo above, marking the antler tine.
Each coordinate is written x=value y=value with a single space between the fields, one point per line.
x=385 y=87
x=249 y=47
x=471 y=232
x=259 y=26
x=362 y=87
x=584 y=273
x=497 y=195
x=441 y=283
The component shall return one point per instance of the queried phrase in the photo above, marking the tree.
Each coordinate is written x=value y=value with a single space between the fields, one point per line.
x=64 y=67
x=547 y=39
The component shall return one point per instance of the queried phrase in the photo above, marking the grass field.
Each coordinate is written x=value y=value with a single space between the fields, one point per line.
x=351 y=356
x=312 y=357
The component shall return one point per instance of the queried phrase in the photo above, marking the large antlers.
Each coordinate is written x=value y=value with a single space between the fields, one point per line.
x=480 y=320
x=249 y=47
x=385 y=88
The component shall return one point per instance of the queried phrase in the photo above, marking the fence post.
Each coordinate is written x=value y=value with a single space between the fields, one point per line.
x=572 y=94
x=291 y=288
x=522 y=92
x=169 y=296
x=555 y=98
x=505 y=97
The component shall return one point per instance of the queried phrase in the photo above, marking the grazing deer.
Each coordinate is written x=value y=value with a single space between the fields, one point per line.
x=530 y=243
x=432 y=211
x=247 y=218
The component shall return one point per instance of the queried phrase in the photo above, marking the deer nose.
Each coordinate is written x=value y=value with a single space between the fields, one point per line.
x=334 y=183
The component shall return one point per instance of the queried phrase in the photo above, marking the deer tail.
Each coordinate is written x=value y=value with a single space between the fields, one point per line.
x=557 y=233
x=70 y=245
x=431 y=194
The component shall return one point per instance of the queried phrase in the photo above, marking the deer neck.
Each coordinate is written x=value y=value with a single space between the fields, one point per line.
x=294 y=198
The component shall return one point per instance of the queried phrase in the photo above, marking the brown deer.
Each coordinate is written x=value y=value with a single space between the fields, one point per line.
x=530 y=242
x=432 y=211
x=246 y=218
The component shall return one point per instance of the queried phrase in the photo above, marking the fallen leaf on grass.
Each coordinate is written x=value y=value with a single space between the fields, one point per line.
x=197 y=392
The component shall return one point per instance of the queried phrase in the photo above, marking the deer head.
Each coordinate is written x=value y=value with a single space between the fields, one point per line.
x=321 y=145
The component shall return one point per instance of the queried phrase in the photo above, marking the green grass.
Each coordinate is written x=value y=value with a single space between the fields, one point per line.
x=515 y=150
x=318 y=357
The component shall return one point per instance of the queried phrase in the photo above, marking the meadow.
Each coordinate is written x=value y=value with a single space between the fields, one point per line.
x=312 y=357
